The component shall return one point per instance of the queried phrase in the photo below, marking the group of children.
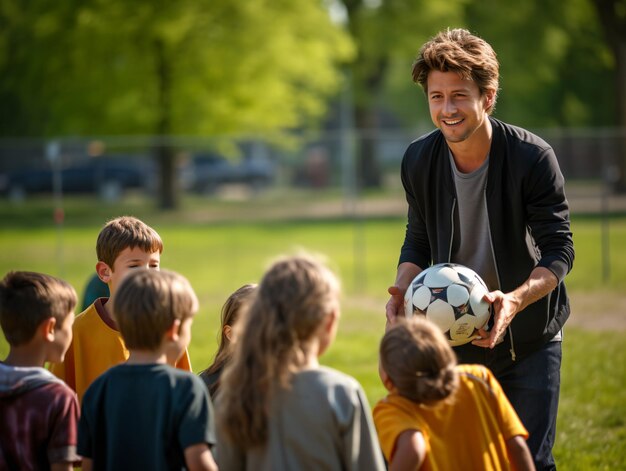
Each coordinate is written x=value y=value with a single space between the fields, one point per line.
x=264 y=404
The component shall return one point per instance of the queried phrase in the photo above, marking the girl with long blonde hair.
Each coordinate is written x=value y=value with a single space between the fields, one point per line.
x=277 y=407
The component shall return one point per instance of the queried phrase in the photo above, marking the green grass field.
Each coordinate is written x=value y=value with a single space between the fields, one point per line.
x=219 y=257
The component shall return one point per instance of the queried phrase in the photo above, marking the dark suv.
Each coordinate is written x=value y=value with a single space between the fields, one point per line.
x=106 y=176
x=204 y=173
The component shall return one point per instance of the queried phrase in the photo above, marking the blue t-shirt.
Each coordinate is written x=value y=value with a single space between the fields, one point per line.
x=144 y=417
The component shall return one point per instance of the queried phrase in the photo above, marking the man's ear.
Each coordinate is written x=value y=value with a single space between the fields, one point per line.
x=490 y=98
x=173 y=331
x=46 y=328
x=103 y=271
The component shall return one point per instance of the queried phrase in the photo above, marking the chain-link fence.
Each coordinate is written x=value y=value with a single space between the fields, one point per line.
x=593 y=162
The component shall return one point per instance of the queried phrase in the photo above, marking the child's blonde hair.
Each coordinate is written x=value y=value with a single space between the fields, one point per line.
x=123 y=232
x=28 y=298
x=294 y=297
x=419 y=361
x=148 y=302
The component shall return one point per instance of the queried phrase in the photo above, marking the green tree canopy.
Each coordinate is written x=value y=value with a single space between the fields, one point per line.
x=146 y=67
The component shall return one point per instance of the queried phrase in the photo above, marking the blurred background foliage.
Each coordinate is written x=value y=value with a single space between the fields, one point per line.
x=277 y=67
x=157 y=67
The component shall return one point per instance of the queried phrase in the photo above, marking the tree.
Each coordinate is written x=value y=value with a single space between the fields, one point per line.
x=153 y=67
x=387 y=32
x=553 y=67
x=612 y=15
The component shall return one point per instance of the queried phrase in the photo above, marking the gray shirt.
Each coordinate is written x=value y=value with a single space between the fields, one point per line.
x=471 y=245
x=322 y=423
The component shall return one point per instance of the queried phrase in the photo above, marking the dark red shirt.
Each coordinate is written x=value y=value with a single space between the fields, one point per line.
x=38 y=427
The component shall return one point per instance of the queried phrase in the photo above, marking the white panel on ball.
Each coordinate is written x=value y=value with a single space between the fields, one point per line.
x=440 y=278
x=441 y=313
x=457 y=295
x=421 y=297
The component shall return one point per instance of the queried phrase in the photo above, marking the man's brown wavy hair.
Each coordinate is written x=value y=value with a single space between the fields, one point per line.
x=458 y=50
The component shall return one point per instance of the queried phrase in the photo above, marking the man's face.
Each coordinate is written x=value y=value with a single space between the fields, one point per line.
x=128 y=260
x=456 y=105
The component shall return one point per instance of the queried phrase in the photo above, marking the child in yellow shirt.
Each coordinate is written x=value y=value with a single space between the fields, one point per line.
x=440 y=415
x=124 y=244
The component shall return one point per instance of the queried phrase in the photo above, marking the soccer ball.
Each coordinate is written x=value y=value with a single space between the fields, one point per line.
x=451 y=296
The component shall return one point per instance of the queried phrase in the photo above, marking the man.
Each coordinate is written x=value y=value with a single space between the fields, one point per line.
x=490 y=196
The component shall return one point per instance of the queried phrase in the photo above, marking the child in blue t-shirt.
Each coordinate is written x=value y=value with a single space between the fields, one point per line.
x=144 y=413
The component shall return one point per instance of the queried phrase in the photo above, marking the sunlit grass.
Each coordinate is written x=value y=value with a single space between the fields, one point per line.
x=218 y=257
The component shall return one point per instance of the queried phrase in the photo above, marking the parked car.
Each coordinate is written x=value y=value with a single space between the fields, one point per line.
x=205 y=173
x=105 y=176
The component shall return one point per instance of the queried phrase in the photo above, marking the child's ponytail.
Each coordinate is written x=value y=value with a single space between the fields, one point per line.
x=419 y=361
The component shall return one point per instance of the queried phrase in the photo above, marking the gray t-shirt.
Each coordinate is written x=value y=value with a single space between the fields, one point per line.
x=471 y=243
x=323 y=422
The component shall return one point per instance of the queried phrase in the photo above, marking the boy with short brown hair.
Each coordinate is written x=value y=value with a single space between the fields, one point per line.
x=39 y=412
x=124 y=244
x=145 y=414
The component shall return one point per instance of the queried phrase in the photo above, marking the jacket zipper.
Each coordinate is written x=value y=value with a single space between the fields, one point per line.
x=452 y=230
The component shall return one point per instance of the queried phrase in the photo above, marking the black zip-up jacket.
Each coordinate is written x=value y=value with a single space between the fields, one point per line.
x=528 y=220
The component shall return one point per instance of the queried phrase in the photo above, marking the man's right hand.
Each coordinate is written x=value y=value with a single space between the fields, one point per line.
x=407 y=271
x=395 y=305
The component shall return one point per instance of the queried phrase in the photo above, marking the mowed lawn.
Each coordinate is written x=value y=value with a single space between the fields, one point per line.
x=217 y=258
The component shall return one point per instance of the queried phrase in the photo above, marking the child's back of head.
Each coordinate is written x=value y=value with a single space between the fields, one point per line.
x=148 y=302
x=29 y=298
x=418 y=360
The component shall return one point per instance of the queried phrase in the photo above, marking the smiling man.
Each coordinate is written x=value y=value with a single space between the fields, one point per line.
x=490 y=196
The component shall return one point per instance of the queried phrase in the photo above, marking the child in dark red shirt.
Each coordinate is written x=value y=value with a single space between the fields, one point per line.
x=39 y=411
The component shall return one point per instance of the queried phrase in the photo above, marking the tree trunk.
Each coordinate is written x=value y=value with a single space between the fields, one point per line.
x=613 y=21
x=368 y=168
x=367 y=82
x=366 y=120
x=164 y=152
x=620 y=62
